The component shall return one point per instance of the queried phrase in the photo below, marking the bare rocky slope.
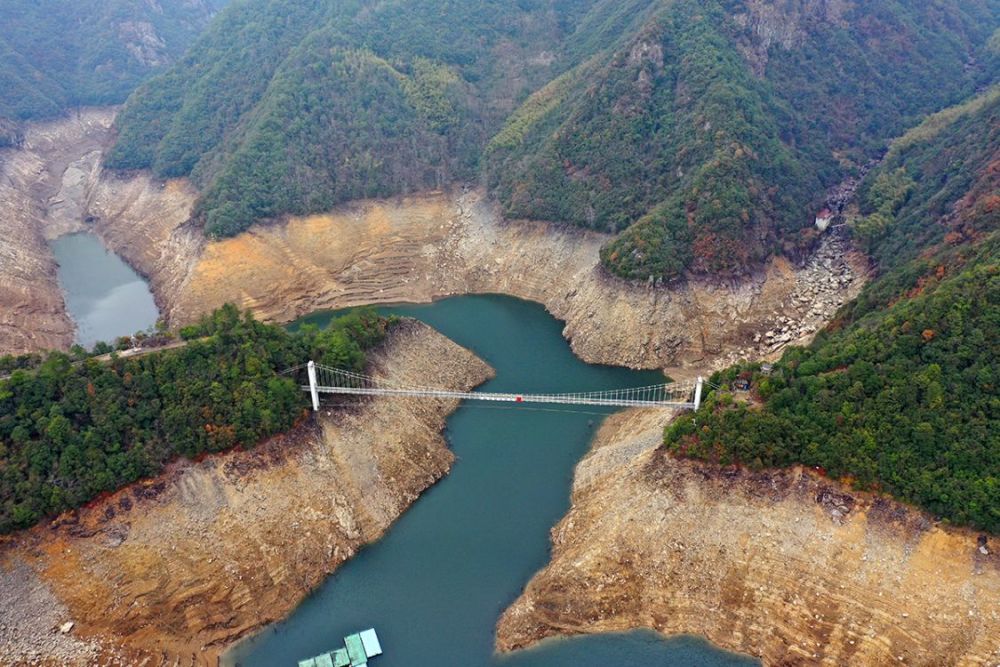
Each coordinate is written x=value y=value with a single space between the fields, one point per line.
x=409 y=249
x=435 y=245
x=784 y=565
x=40 y=198
x=172 y=570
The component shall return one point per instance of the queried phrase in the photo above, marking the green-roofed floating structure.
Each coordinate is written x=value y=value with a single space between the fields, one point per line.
x=358 y=648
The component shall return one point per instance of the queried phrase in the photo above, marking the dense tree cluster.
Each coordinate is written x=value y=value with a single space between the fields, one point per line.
x=55 y=55
x=70 y=430
x=673 y=140
x=710 y=144
x=902 y=392
x=292 y=107
x=703 y=139
x=384 y=130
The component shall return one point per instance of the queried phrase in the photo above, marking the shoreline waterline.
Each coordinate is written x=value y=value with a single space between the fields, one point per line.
x=438 y=581
x=105 y=297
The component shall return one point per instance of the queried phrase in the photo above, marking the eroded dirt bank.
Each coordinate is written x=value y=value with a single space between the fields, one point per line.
x=435 y=245
x=406 y=249
x=782 y=565
x=421 y=248
x=54 y=185
x=41 y=197
x=173 y=570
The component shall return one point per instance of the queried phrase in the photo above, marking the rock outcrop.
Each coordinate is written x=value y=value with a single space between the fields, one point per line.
x=172 y=570
x=784 y=565
x=783 y=24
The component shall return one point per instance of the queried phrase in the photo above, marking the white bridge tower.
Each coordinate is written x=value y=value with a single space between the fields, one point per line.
x=313 y=385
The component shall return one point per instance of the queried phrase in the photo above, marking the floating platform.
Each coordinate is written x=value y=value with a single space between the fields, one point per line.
x=357 y=649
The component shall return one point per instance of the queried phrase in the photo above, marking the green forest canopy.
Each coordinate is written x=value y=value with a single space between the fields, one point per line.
x=55 y=55
x=902 y=392
x=675 y=124
x=70 y=431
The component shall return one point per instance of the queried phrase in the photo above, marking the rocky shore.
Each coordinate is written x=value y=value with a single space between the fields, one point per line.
x=784 y=565
x=437 y=245
x=412 y=249
x=41 y=197
x=831 y=277
x=172 y=570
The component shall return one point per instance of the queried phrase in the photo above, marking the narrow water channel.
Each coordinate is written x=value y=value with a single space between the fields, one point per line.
x=105 y=297
x=436 y=584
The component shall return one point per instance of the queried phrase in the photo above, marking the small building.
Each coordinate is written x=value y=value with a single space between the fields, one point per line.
x=740 y=384
x=358 y=648
x=765 y=369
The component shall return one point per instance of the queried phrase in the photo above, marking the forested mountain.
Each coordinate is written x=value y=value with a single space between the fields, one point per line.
x=56 y=54
x=287 y=106
x=713 y=131
x=72 y=430
x=902 y=392
x=706 y=132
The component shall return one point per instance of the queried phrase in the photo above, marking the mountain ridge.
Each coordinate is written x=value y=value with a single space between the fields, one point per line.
x=704 y=134
x=55 y=56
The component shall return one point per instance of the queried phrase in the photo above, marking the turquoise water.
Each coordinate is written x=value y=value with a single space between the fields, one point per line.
x=105 y=297
x=436 y=584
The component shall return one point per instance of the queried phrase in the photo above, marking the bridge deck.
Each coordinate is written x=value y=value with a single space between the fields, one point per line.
x=562 y=399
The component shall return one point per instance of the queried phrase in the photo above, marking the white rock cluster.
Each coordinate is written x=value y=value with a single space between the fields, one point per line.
x=823 y=285
x=35 y=627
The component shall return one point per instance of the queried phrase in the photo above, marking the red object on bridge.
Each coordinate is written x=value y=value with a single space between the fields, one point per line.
x=519 y=399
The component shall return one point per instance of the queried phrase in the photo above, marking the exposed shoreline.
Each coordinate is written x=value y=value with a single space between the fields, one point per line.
x=783 y=565
x=132 y=570
x=431 y=246
x=419 y=248
x=40 y=199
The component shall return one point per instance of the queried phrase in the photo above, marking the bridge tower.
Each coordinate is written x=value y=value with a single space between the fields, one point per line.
x=697 y=393
x=313 y=385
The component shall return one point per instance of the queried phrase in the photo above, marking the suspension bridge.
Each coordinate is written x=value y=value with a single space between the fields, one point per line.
x=326 y=380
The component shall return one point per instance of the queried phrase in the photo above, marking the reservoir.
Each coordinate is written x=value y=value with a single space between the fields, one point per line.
x=436 y=584
x=105 y=297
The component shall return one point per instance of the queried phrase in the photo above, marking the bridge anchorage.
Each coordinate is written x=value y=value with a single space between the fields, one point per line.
x=327 y=380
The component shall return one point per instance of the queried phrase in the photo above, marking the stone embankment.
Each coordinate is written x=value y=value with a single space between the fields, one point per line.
x=784 y=565
x=172 y=570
